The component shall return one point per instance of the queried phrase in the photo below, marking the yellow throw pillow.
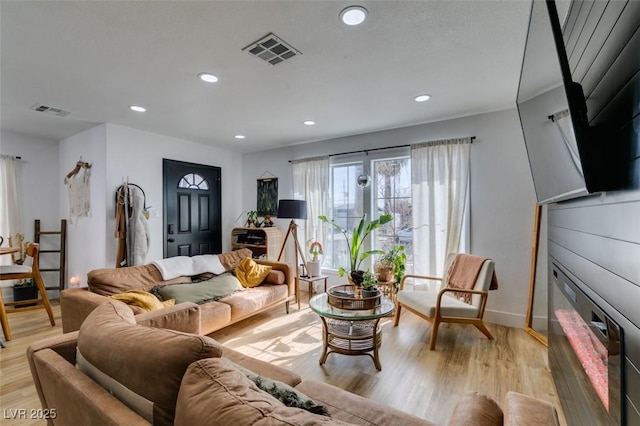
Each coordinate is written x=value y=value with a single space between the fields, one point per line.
x=143 y=299
x=250 y=274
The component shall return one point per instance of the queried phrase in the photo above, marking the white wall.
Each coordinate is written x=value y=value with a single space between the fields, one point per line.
x=85 y=235
x=38 y=177
x=502 y=193
x=137 y=155
x=116 y=153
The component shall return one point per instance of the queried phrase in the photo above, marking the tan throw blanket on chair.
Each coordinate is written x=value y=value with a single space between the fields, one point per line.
x=463 y=274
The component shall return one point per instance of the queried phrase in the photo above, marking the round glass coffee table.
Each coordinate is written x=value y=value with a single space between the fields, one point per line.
x=351 y=332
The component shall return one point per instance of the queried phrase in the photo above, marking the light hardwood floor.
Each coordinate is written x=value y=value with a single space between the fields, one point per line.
x=413 y=379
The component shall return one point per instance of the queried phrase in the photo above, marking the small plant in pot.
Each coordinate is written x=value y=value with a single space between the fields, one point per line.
x=252 y=219
x=392 y=265
x=314 y=265
x=369 y=284
x=355 y=239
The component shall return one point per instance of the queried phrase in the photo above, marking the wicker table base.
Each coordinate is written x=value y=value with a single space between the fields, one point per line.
x=351 y=331
x=351 y=338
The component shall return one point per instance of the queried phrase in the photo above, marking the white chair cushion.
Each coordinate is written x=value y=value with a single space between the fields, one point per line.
x=15 y=269
x=425 y=302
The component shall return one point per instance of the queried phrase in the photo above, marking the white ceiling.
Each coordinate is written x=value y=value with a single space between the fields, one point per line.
x=95 y=58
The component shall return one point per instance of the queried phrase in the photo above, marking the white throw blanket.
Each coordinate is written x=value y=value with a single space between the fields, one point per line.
x=187 y=266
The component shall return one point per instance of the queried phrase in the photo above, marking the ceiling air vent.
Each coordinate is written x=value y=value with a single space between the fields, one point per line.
x=50 y=110
x=272 y=49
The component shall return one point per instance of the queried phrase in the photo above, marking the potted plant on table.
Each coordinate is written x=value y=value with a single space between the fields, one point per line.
x=369 y=284
x=252 y=219
x=355 y=240
x=391 y=265
x=314 y=265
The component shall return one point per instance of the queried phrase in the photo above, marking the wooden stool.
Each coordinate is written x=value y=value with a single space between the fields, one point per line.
x=18 y=272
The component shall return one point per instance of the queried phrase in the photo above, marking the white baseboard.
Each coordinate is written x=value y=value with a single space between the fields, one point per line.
x=507 y=319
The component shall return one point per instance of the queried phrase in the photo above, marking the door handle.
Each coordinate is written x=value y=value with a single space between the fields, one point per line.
x=171 y=240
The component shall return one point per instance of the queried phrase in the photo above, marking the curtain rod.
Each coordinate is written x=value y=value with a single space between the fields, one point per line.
x=366 y=151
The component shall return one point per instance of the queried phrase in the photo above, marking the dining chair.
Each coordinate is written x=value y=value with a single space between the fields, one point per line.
x=24 y=271
x=460 y=298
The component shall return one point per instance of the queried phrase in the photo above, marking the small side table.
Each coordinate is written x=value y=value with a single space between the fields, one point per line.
x=309 y=281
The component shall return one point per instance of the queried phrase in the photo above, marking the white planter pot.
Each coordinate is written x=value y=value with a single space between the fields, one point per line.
x=313 y=269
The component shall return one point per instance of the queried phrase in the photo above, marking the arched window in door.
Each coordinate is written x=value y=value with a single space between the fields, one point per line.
x=193 y=181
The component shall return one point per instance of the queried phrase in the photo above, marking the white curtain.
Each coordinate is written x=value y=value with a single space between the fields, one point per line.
x=311 y=183
x=9 y=201
x=440 y=197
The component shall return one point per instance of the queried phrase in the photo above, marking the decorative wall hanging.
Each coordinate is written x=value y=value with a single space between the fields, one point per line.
x=267 y=196
x=78 y=186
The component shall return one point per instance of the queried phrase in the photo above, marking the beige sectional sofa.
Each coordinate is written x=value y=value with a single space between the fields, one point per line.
x=278 y=288
x=117 y=370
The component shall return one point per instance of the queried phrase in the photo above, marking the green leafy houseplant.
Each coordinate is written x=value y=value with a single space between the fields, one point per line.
x=369 y=280
x=355 y=240
x=252 y=218
x=369 y=284
x=398 y=258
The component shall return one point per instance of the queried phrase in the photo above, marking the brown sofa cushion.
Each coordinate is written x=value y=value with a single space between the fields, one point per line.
x=275 y=277
x=523 y=409
x=214 y=392
x=476 y=409
x=349 y=407
x=230 y=259
x=147 y=361
x=108 y=281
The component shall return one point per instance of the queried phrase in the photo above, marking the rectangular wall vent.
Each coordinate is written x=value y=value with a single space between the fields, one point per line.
x=272 y=49
x=50 y=110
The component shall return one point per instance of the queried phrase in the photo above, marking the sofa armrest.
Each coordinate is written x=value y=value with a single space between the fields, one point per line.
x=523 y=410
x=183 y=317
x=286 y=269
x=64 y=345
x=76 y=399
x=475 y=409
x=75 y=305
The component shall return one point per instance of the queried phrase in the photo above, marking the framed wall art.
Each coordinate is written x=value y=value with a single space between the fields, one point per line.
x=267 y=196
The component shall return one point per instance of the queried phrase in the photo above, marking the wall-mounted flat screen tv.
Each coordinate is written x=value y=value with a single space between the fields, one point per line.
x=552 y=112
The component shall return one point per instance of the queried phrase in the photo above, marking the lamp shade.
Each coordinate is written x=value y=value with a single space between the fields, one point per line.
x=292 y=209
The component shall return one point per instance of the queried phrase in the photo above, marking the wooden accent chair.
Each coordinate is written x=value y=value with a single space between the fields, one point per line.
x=444 y=304
x=17 y=272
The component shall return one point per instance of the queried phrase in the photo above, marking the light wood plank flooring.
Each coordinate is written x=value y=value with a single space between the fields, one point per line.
x=413 y=379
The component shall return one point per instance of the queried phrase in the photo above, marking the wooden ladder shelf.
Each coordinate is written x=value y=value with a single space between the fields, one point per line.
x=61 y=249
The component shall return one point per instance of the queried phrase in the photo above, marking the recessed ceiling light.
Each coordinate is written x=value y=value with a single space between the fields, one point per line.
x=239 y=136
x=422 y=98
x=137 y=108
x=309 y=122
x=353 y=15
x=207 y=78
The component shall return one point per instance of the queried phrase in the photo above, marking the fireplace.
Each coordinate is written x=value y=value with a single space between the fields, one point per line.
x=585 y=354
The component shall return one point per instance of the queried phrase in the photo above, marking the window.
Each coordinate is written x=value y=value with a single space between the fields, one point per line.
x=346 y=209
x=392 y=194
x=389 y=192
x=193 y=181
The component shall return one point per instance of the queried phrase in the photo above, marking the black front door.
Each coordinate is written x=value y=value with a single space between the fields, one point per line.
x=192 y=218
